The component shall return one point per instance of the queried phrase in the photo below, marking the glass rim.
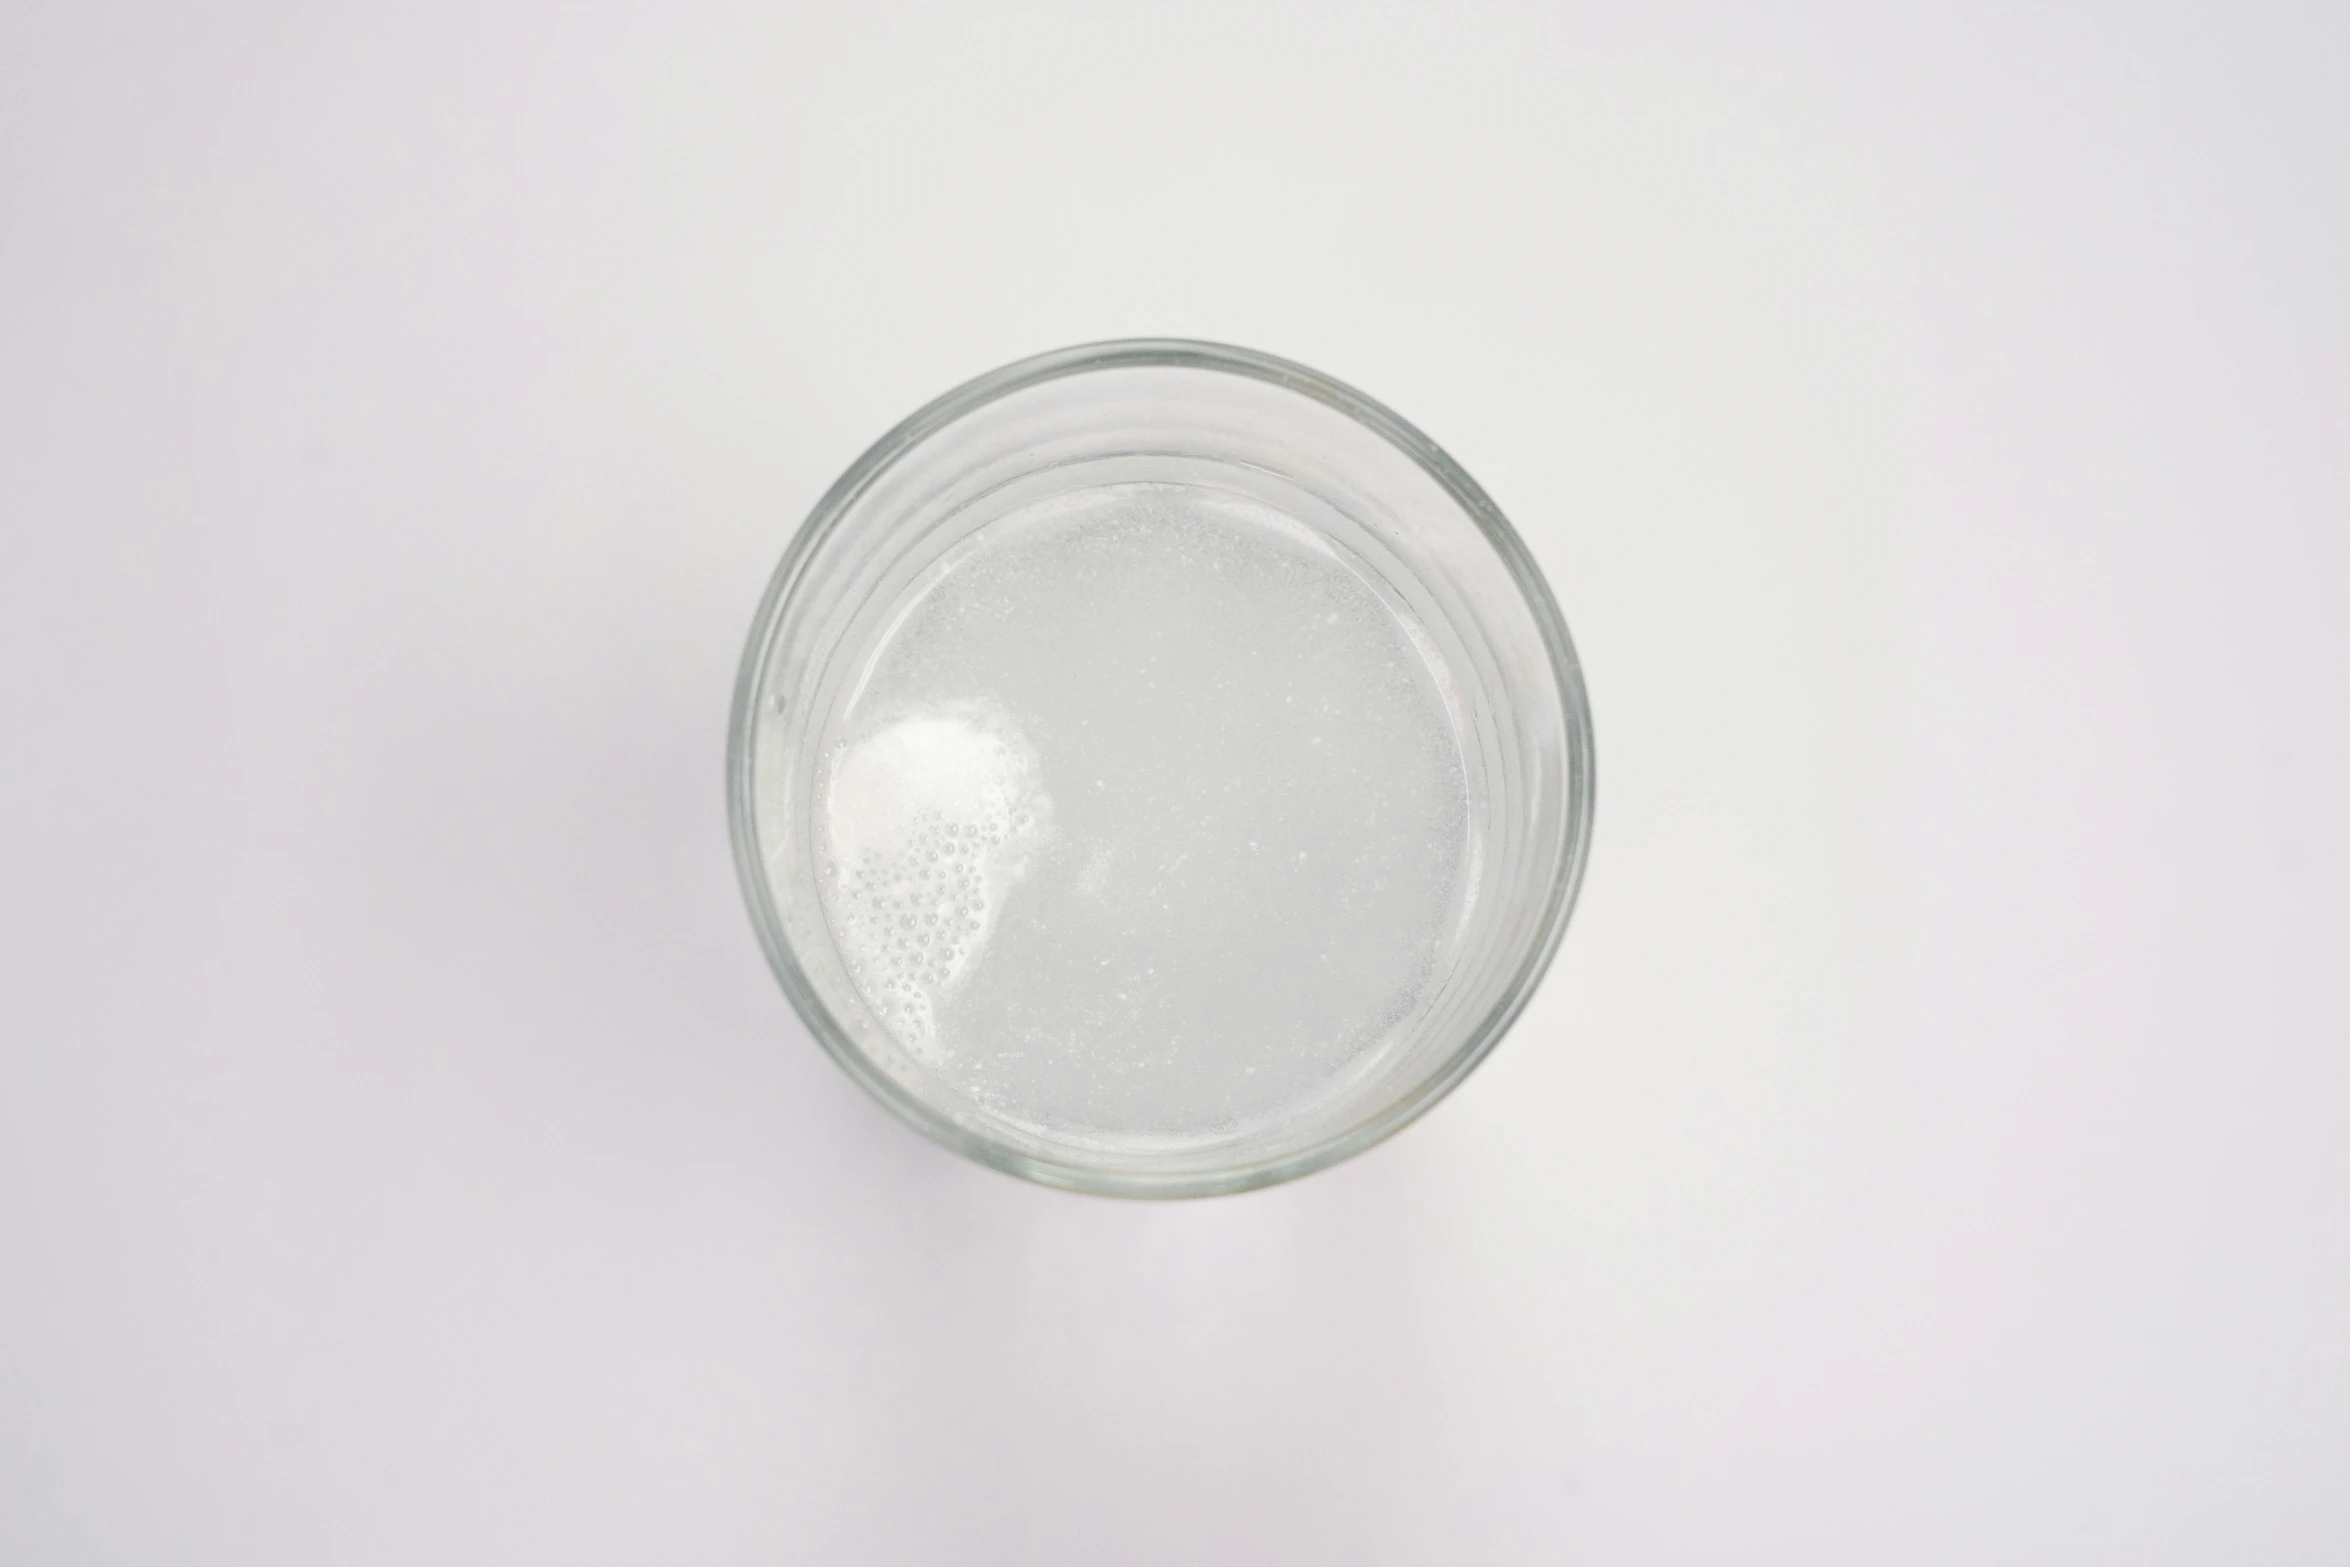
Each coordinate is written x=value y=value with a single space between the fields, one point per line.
x=1564 y=882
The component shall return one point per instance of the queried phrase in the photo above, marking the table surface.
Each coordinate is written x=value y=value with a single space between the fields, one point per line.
x=1933 y=1145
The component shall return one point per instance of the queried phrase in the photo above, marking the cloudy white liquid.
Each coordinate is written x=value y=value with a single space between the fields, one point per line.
x=1147 y=818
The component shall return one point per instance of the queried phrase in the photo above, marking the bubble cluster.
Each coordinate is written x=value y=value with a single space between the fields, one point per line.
x=930 y=820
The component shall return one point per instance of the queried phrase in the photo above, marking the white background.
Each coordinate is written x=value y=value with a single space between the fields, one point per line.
x=1933 y=1145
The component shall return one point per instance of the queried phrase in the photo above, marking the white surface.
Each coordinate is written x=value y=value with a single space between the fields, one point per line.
x=1934 y=1145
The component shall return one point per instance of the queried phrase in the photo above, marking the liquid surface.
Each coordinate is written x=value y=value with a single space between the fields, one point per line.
x=1147 y=818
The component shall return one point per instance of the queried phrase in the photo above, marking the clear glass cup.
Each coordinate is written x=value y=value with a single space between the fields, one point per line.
x=1404 y=518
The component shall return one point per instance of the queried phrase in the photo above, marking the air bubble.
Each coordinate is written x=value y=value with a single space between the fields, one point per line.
x=920 y=815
